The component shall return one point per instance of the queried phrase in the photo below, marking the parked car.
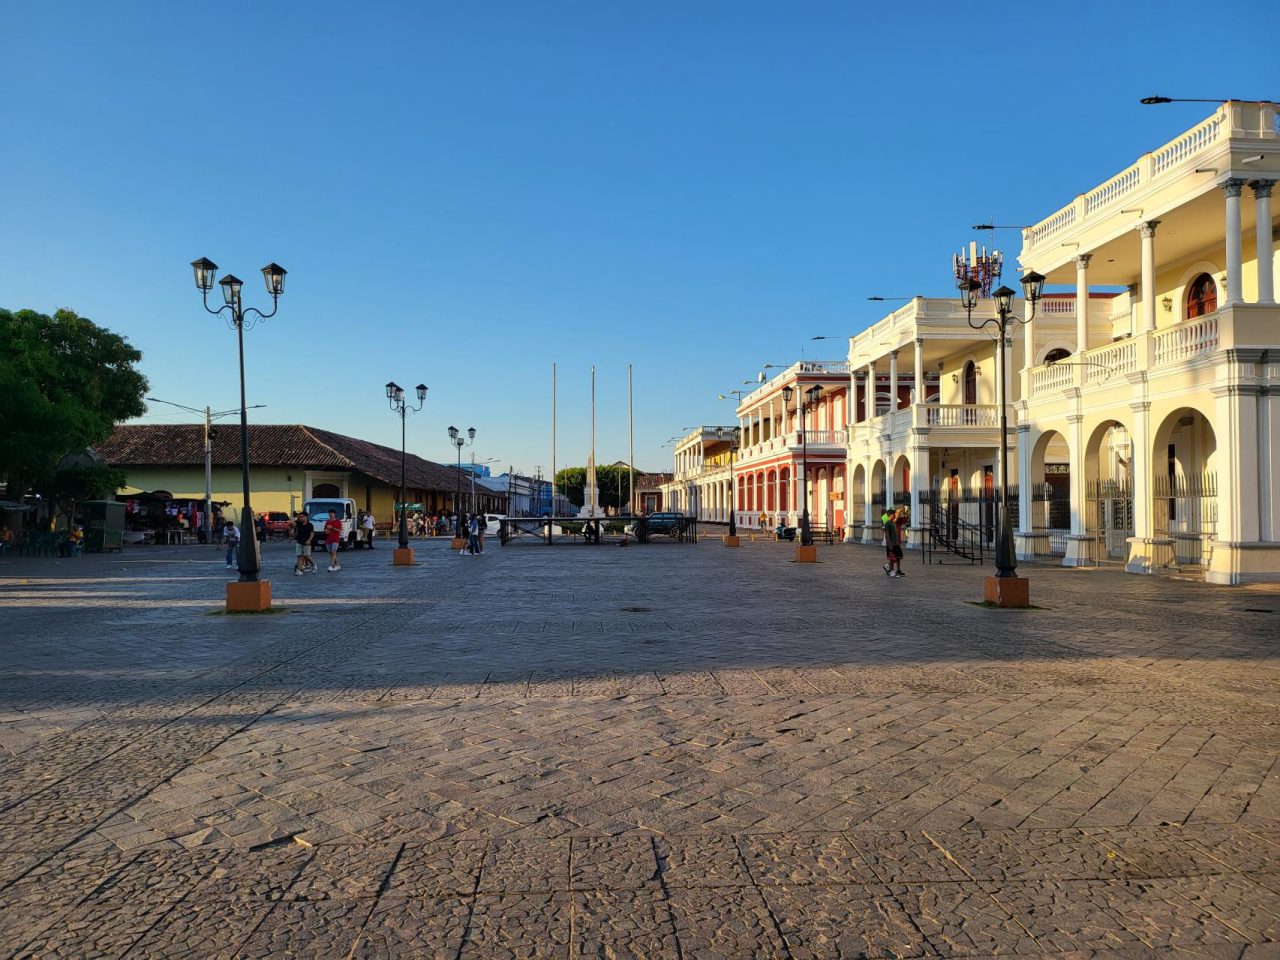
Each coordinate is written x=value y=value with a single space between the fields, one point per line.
x=492 y=524
x=318 y=511
x=671 y=524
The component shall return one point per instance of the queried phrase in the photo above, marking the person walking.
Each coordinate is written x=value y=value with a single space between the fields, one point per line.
x=473 y=535
x=481 y=530
x=368 y=527
x=892 y=545
x=900 y=519
x=332 y=537
x=231 y=537
x=304 y=532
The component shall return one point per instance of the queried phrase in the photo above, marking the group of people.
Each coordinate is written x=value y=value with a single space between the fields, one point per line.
x=305 y=539
x=893 y=521
x=473 y=528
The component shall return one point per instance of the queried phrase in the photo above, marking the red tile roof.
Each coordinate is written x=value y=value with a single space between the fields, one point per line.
x=271 y=445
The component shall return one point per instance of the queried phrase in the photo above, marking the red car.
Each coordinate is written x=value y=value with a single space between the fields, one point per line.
x=279 y=524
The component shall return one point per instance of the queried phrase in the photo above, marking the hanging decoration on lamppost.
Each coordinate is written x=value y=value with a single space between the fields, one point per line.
x=978 y=264
x=248 y=593
x=403 y=556
x=1006 y=588
x=734 y=436
x=456 y=438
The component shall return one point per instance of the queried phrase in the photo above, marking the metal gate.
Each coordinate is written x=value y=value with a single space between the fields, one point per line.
x=1186 y=514
x=1109 y=519
x=1050 y=518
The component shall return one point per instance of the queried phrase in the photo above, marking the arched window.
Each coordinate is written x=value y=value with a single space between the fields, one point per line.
x=1202 y=296
x=326 y=491
x=970 y=383
x=1056 y=354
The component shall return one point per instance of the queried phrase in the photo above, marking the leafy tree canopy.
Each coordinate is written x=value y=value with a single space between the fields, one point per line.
x=614 y=481
x=68 y=488
x=66 y=382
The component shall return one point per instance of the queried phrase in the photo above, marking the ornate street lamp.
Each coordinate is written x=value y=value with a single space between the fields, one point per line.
x=810 y=399
x=734 y=435
x=1032 y=289
x=273 y=274
x=396 y=400
x=459 y=441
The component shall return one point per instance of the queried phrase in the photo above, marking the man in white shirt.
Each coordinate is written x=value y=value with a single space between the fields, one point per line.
x=367 y=526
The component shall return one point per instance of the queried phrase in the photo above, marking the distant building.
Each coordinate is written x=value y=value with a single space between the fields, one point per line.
x=651 y=492
x=288 y=464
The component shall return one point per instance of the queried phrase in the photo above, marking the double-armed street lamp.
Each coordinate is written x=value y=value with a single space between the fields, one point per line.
x=273 y=276
x=734 y=436
x=810 y=401
x=1004 y=319
x=456 y=438
x=398 y=404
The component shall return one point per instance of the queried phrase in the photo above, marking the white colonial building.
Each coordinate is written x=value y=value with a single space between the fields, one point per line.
x=1169 y=408
x=699 y=485
x=1143 y=397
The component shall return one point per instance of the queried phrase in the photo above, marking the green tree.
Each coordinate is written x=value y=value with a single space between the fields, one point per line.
x=613 y=480
x=571 y=481
x=69 y=488
x=66 y=383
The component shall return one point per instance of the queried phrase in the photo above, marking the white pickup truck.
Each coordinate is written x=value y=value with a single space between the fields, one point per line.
x=318 y=511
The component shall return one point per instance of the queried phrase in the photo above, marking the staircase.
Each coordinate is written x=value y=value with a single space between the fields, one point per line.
x=951 y=537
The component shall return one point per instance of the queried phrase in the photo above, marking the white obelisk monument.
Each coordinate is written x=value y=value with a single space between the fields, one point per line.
x=590 y=491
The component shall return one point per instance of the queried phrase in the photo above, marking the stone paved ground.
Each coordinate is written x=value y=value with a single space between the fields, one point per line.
x=664 y=751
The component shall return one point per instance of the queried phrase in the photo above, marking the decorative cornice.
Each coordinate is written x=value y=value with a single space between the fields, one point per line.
x=1074 y=418
x=1147 y=229
x=1232 y=186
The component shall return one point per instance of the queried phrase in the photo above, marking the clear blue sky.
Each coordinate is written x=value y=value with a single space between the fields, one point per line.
x=463 y=193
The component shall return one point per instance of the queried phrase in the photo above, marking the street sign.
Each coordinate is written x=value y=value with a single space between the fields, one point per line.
x=408 y=506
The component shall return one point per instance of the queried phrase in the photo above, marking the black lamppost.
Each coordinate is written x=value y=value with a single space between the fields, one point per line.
x=395 y=397
x=811 y=398
x=458 y=441
x=735 y=438
x=273 y=275
x=1032 y=287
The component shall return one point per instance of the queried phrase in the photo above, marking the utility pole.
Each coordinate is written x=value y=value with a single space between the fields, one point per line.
x=208 y=475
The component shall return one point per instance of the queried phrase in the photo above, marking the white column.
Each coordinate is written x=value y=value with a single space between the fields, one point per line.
x=893 y=381
x=1024 y=543
x=918 y=360
x=918 y=457
x=1082 y=302
x=1148 y=234
x=1266 y=258
x=1231 y=188
x=1140 y=545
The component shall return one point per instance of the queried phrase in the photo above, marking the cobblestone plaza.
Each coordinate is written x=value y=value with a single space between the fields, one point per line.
x=664 y=751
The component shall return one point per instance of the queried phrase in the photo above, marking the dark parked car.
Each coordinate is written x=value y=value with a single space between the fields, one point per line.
x=672 y=524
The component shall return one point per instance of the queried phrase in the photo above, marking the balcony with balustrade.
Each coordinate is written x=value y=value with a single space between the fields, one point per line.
x=1182 y=354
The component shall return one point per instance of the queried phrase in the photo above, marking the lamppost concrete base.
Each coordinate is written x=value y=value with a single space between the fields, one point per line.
x=402 y=557
x=248 y=596
x=807 y=554
x=1007 y=591
x=732 y=540
x=457 y=543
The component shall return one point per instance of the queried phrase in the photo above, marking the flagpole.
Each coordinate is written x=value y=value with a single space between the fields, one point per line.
x=595 y=489
x=631 y=445
x=553 y=439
